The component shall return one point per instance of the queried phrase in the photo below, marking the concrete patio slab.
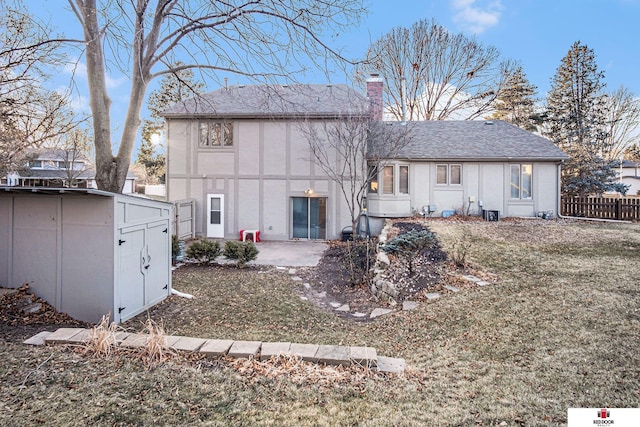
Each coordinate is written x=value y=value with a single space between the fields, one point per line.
x=306 y=352
x=334 y=355
x=216 y=348
x=188 y=344
x=274 y=349
x=290 y=253
x=364 y=356
x=63 y=335
x=391 y=365
x=37 y=339
x=244 y=349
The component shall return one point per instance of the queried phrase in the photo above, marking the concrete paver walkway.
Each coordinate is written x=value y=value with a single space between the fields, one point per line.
x=326 y=354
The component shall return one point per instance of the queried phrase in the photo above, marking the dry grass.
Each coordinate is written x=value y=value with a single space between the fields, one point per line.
x=560 y=329
x=102 y=339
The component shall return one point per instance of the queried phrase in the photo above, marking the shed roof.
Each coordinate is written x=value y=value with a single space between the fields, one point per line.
x=259 y=101
x=473 y=140
x=74 y=192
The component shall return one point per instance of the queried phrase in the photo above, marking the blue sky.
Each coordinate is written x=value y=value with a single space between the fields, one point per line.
x=536 y=33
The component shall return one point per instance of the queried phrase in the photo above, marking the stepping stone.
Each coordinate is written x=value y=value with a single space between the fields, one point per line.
x=409 y=305
x=292 y=271
x=377 y=312
x=364 y=356
x=274 y=349
x=306 y=352
x=170 y=340
x=82 y=337
x=391 y=365
x=344 y=308
x=215 y=348
x=121 y=336
x=335 y=304
x=244 y=349
x=451 y=288
x=471 y=278
x=482 y=283
x=433 y=295
x=321 y=294
x=281 y=268
x=306 y=285
x=296 y=279
x=188 y=344
x=304 y=298
x=37 y=339
x=334 y=355
x=135 y=340
x=62 y=335
x=358 y=314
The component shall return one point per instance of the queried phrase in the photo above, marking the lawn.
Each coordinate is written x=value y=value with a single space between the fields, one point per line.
x=560 y=328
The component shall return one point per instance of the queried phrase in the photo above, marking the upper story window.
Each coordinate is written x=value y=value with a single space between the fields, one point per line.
x=449 y=174
x=216 y=134
x=35 y=164
x=521 y=178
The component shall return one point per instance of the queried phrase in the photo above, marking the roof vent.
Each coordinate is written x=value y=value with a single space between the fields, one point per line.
x=488 y=122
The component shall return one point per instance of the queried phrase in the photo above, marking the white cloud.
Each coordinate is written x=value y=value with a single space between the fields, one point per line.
x=476 y=18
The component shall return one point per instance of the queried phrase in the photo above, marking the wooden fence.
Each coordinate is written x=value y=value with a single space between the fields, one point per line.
x=627 y=208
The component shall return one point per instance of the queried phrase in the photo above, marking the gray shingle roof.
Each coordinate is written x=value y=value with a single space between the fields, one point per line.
x=273 y=101
x=474 y=140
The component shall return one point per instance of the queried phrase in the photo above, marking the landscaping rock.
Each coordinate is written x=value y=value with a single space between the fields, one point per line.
x=358 y=314
x=451 y=288
x=433 y=295
x=409 y=305
x=31 y=308
x=335 y=304
x=292 y=271
x=377 y=312
x=296 y=279
x=344 y=308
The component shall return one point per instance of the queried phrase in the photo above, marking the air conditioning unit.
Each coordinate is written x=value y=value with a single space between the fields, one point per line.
x=490 y=215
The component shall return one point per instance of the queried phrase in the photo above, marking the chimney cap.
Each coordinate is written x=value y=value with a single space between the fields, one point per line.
x=374 y=77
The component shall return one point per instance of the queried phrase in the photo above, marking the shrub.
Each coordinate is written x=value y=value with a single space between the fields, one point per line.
x=460 y=249
x=203 y=250
x=242 y=252
x=409 y=245
x=175 y=246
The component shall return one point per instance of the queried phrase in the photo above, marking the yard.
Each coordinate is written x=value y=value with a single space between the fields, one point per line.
x=560 y=328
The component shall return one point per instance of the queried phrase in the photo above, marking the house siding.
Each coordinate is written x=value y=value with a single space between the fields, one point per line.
x=268 y=164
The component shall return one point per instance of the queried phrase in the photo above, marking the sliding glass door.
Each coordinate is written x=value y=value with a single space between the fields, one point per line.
x=309 y=217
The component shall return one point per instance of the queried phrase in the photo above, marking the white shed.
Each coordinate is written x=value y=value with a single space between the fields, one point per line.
x=86 y=252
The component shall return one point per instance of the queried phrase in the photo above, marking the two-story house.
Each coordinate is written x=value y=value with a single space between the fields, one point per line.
x=240 y=152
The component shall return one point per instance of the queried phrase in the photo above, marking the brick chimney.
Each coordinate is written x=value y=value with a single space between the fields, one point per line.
x=374 y=93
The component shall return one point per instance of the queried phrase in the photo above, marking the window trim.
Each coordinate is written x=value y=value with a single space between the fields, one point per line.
x=448 y=173
x=519 y=185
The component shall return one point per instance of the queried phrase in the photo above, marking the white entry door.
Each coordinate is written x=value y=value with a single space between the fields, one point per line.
x=215 y=215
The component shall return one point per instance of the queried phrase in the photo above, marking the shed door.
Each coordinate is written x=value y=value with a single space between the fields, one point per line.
x=157 y=258
x=215 y=215
x=131 y=283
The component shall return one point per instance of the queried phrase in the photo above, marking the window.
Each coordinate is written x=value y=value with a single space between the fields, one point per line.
x=216 y=134
x=403 y=188
x=372 y=173
x=449 y=174
x=387 y=180
x=521 y=181
x=35 y=163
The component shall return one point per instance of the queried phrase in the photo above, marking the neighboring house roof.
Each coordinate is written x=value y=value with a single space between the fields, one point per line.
x=257 y=101
x=472 y=140
x=62 y=174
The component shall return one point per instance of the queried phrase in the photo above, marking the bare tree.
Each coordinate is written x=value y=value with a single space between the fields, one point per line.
x=29 y=114
x=623 y=123
x=351 y=150
x=436 y=74
x=269 y=38
x=76 y=147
